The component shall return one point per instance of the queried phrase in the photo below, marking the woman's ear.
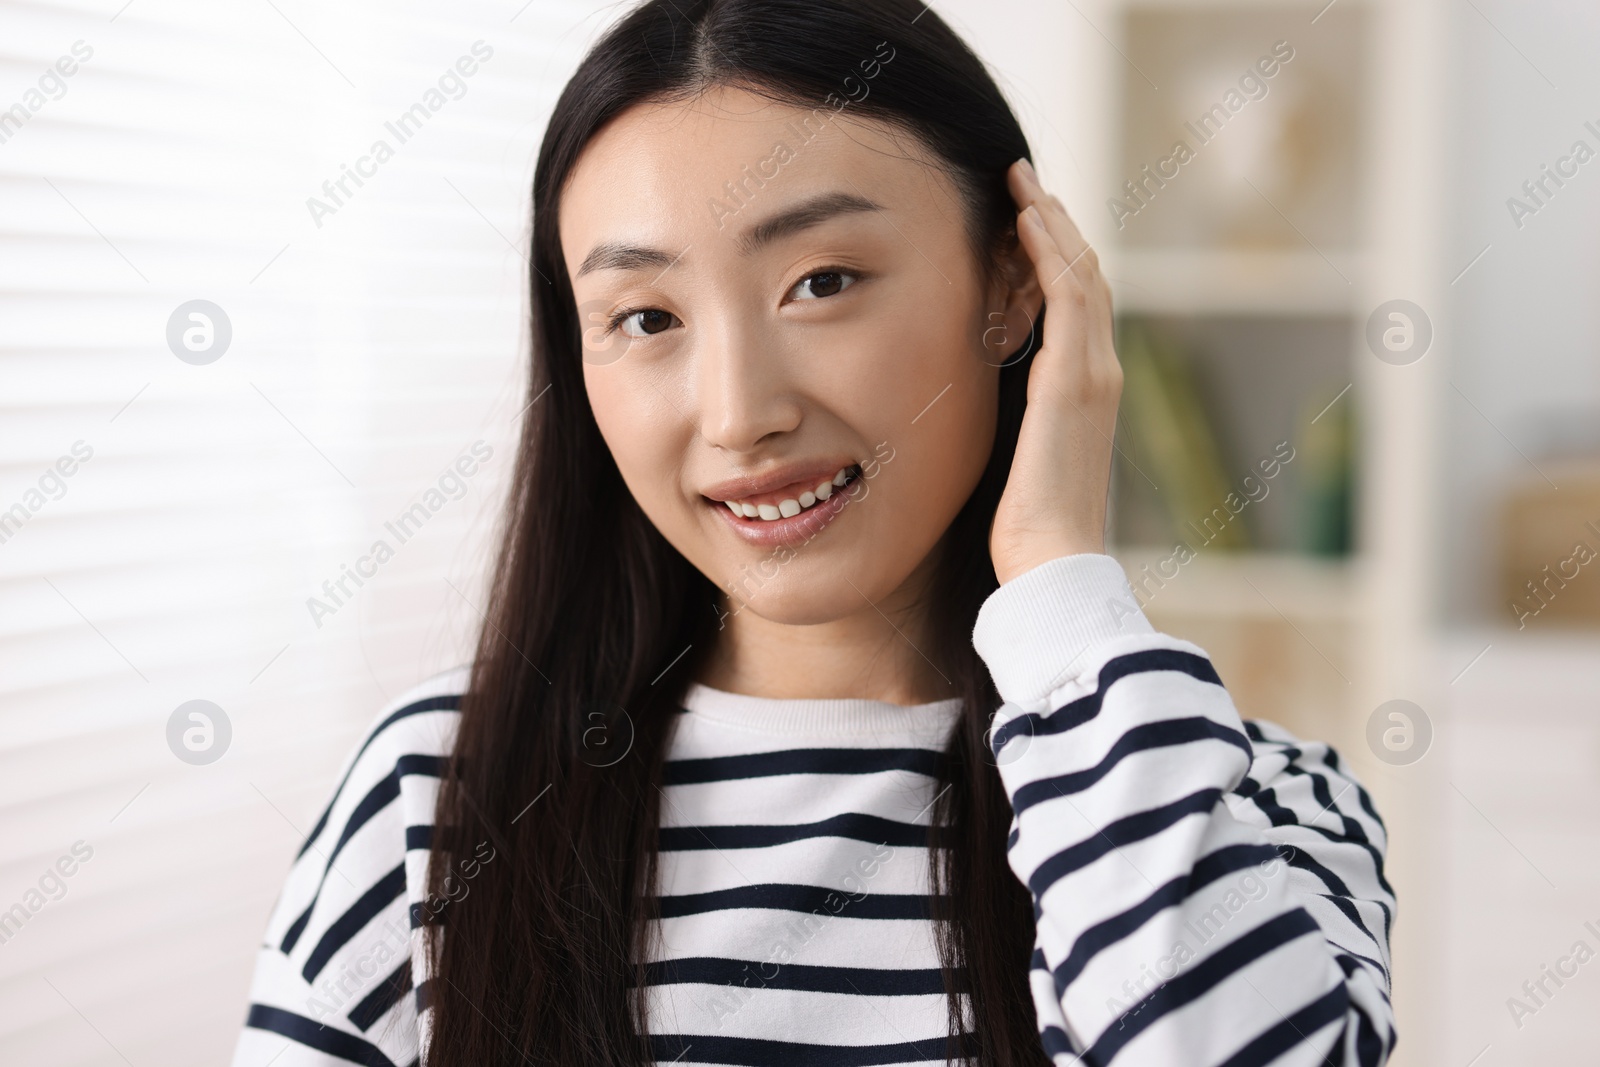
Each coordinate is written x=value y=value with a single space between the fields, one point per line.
x=1015 y=302
x=1022 y=276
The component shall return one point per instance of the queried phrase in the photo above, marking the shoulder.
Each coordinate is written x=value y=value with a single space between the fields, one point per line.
x=410 y=734
x=423 y=716
x=420 y=721
x=361 y=831
x=336 y=959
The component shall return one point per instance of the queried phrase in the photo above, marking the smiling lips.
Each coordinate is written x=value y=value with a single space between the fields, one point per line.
x=788 y=505
x=779 y=504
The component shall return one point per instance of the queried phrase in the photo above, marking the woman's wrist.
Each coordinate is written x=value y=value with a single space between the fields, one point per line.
x=1037 y=631
x=1011 y=565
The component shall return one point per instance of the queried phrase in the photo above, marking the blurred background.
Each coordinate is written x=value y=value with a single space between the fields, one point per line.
x=1354 y=251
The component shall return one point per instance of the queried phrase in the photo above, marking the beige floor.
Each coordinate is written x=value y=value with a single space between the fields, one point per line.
x=1518 y=747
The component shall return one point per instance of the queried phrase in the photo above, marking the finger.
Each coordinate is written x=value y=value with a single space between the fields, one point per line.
x=1078 y=254
x=1063 y=284
x=1076 y=366
x=1083 y=313
x=1061 y=288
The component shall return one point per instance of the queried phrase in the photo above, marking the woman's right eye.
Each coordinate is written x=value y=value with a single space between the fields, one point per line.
x=643 y=322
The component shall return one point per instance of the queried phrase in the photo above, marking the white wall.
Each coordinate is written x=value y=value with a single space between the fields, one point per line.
x=1524 y=322
x=367 y=353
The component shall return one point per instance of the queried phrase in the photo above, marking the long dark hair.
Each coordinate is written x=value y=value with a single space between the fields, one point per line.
x=580 y=667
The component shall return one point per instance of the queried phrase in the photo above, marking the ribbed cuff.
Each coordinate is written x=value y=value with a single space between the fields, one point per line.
x=1035 y=631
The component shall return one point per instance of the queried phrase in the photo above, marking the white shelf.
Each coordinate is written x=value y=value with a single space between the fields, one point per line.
x=1362 y=623
x=1239 y=586
x=1211 y=282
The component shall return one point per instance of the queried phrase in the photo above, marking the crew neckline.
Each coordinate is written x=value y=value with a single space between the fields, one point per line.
x=827 y=716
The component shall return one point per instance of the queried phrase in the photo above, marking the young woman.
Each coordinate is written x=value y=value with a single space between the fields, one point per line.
x=811 y=724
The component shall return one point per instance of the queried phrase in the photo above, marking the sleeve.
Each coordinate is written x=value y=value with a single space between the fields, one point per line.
x=1206 y=891
x=334 y=975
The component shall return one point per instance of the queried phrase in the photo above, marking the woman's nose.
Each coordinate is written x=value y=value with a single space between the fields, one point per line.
x=745 y=389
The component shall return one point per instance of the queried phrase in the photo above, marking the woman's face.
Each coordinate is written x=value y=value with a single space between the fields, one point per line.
x=772 y=296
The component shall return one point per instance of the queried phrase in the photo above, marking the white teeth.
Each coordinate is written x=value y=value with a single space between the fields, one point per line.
x=791 y=507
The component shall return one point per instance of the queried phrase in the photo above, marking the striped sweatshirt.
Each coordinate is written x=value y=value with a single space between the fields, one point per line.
x=1205 y=890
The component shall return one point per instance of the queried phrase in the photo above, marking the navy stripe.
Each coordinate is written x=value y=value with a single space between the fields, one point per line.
x=758 y=1052
x=1276 y=813
x=380 y=796
x=1371 y=1049
x=1279 y=815
x=1055 y=1042
x=1150 y=735
x=316 y=1036
x=1326 y=802
x=291 y=936
x=1366 y=806
x=447 y=702
x=802 y=761
x=1124 y=831
x=1352 y=961
x=1103 y=935
x=853 y=825
x=366 y=908
x=1294 y=1030
x=1354 y=831
x=1334 y=762
x=802 y=898
x=858 y=981
x=419 y=837
x=416 y=763
x=1248 y=786
x=376 y=1004
x=1348 y=910
x=1301 y=860
x=1201 y=979
x=1077 y=712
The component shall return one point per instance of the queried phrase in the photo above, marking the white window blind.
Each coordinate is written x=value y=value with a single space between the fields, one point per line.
x=178 y=525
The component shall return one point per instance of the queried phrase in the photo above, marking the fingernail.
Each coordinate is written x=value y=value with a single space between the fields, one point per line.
x=1031 y=213
x=1027 y=169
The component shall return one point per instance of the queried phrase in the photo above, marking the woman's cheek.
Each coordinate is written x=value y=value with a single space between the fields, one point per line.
x=622 y=413
x=631 y=427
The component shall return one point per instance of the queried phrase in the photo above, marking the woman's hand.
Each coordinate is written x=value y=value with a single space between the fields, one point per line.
x=1054 y=502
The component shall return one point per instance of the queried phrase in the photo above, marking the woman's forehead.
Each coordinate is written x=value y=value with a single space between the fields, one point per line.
x=692 y=169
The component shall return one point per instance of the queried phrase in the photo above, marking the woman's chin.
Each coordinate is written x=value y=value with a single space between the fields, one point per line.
x=808 y=596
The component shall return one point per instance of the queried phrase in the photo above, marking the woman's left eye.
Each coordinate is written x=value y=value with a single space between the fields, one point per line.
x=823 y=283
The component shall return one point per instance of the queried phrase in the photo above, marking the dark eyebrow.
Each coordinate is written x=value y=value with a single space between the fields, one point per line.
x=807 y=213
